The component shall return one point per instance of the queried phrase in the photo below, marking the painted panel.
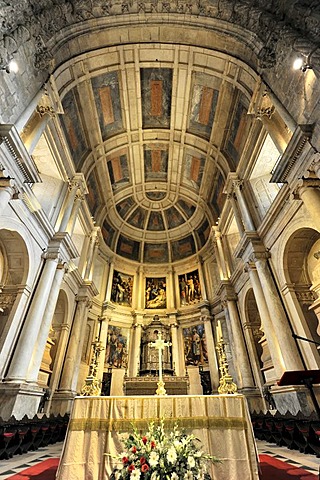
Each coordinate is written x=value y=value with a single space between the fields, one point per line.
x=93 y=198
x=156 y=91
x=138 y=217
x=219 y=198
x=155 y=222
x=238 y=131
x=189 y=288
x=203 y=107
x=106 y=93
x=193 y=169
x=156 y=253
x=122 y=286
x=183 y=248
x=155 y=162
x=73 y=129
x=108 y=233
x=117 y=347
x=156 y=296
x=124 y=206
x=128 y=248
x=118 y=171
x=174 y=218
x=156 y=196
x=195 y=345
x=187 y=208
x=203 y=233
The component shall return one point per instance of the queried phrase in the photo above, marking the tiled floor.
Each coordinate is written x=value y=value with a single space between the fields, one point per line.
x=20 y=462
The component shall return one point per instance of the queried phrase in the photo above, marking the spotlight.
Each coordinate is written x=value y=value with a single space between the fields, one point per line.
x=12 y=67
x=300 y=64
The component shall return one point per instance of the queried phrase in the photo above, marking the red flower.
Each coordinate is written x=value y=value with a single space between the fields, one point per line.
x=144 y=440
x=134 y=449
x=142 y=460
x=153 y=444
x=131 y=467
x=125 y=460
x=144 y=468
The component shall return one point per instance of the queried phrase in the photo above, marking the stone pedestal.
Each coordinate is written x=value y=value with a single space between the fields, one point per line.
x=19 y=400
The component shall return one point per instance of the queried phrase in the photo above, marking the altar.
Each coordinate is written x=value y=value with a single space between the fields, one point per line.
x=221 y=422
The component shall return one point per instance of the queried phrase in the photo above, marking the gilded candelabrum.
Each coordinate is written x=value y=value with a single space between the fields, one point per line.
x=226 y=384
x=92 y=385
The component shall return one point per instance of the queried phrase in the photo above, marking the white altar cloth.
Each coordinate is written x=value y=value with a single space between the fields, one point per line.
x=221 y=422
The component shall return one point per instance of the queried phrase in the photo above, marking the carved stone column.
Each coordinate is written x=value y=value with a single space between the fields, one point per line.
x=241 y=364
x=93 y=246
x=110 y=280
x=176 y=363
x=236 y=212
x=245 y=214
x=211 y=349
x=6 y=192
x=171 y=297
x=309 y=192
x=40 y=346
x=77 y=184
x=136 y=344
x=220 y=254
x=28 y=337
x=287 y=356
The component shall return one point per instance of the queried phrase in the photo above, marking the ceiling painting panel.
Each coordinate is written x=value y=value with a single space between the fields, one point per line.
x=238 y=130
x=138 y=217
x=219 y=198
x=183 y=248
x=156 y=253
x=124 y=206
x=173 y=217
x=193 y=170
x=108 y=233
x=156 y=92
x=155 y=222
x=203 y=106
x=118 y=171
x=93 y=196
x=128 y=248
x=203 y=233
x=155 y=162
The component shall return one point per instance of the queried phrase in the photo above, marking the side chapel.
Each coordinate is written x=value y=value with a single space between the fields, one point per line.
x=159 y=172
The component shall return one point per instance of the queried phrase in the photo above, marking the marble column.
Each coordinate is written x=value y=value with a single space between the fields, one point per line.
x=211 y=349
x=170 y=290
x=242 y=365
x=103 y=336
x=76 y=184
x=140 y=289
x=93 y=245
x=290 y=359
x=202 y=280
x=236 y=213
x=74 y=212
x=110 y=280
x=266 y=322
x=136 y=345
x=28 y=337
x=245 y=214
x=221 y=256
x=309 y=192
x=175 y=346
x=70 y=373
x=6 y=192
x=40 y=345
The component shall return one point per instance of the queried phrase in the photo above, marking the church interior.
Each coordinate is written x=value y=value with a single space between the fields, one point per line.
x=159 y=178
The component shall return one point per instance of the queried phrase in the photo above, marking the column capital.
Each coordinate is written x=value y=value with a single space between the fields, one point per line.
x=231 y=182
x=78 y=182
x=227 y=293
x=256 y=256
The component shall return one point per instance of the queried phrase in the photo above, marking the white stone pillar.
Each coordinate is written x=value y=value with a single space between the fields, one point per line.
x=170 y=290
x=266 y=322
x=290 y=359
x=74 y=212
x=93 y=245
x=202 y=280
x=76 y=184
x=140 y=289
x=110 y=280
x=241 y=361
x=103 y=329
x=40 y=345
x=245 y=214
x=175 y=346
x=236 y=212
x=6 y=192
x=30 y=330
x=211 y=349
x=310 y=195
x=70 y=373
x=222 y=260
x=135 y=357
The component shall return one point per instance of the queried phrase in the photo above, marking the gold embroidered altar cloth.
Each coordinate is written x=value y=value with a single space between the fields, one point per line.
x=221 y=422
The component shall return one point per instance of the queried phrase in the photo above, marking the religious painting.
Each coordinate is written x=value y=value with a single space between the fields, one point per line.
x=155 y=222
x=93 y=196
x=219 y=197
x=118 y=170
x=195 y=345
x=193 y=170
x=156 y=293
x=106 y=93
x=155 y=162
x=203 y=233
x=73 y=128
x=238 y=130
x=138 y=217
x=108 y=233
x=189 y=288
x=117 y=347
x=156 y=253
x=128 y=248
x=156 y=92
x=122 y=286
x=183 y=248
x=203 y=105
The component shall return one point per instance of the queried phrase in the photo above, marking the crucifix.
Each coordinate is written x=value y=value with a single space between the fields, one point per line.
x=160 y=344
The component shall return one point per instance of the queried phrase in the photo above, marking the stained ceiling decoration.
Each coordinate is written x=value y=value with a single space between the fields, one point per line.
x=166 y=125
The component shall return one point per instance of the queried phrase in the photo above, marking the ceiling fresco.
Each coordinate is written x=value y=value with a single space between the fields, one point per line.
x=164 y=136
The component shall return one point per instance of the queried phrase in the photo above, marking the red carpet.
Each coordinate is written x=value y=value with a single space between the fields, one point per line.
x=271 y=469
x=45 y=470
x=274 y=469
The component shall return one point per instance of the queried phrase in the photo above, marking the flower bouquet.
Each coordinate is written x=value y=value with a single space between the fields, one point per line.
x=158 y=455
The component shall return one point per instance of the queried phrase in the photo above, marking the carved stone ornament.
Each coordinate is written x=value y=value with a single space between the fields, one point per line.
x=40 y=20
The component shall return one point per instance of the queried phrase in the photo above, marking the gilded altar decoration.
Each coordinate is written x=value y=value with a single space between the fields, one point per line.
x=159 y=454
x=92 y=385
x=226 y=383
